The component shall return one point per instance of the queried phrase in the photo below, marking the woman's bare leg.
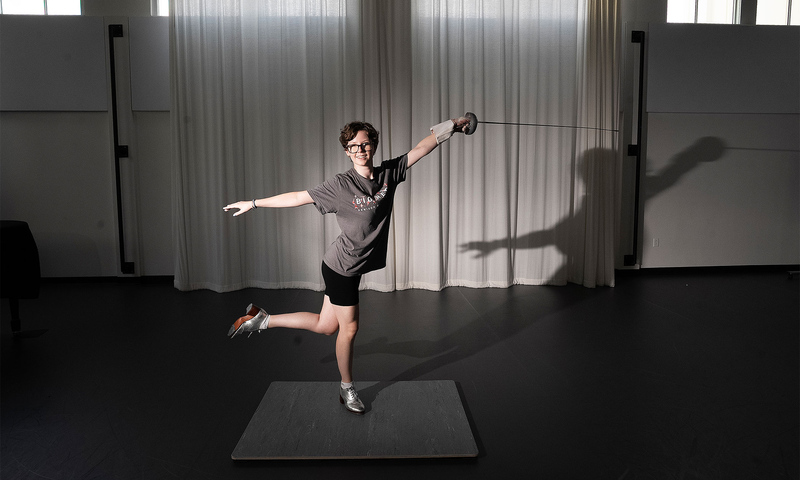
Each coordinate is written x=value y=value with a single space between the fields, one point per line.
x=331 y=319
x=324 y=322
x=348 y=328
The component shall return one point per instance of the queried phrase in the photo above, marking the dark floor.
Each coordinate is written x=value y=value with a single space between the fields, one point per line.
x=671 y=374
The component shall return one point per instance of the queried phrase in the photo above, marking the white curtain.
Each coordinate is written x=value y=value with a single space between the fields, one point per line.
x=261 y=89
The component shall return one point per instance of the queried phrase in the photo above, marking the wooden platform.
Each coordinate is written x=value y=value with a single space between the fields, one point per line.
x=304 y=420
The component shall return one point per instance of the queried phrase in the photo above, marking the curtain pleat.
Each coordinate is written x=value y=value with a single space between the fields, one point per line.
x=261 y=89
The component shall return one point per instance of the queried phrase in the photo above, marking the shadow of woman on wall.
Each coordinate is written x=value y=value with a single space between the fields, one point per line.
x=579 y=235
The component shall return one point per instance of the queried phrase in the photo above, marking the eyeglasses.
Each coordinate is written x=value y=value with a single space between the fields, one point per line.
x=355 y=148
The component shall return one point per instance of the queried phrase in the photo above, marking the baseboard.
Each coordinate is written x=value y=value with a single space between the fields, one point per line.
x=147 y=279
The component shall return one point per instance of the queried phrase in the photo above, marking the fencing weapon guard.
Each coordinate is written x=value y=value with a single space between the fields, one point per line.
x=473 y=123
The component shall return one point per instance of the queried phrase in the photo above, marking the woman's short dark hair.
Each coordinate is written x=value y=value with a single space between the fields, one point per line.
x=350 y=131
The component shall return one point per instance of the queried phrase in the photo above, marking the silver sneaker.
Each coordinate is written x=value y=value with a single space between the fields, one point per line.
x=349 y=398
x=260 y=321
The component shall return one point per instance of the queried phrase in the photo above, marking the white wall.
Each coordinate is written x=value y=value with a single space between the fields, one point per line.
x=56 y=175
x=57 y=163
x=696 y=221
x=722 y=184
x=120 y=8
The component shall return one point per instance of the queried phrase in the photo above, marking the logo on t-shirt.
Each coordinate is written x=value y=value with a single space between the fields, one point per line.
x=366 y=202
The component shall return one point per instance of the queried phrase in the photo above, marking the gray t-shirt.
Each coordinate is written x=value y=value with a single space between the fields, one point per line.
x=363 y=209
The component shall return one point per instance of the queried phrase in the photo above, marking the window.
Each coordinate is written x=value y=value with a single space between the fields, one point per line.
x=40 y=7
x=161 y=8
x=768 y=12
x=703 y=11
x=777 y=12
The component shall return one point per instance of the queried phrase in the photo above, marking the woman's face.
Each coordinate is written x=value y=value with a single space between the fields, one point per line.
x=362 y=149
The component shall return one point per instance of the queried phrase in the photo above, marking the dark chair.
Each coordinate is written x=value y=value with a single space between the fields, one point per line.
x=19 y=265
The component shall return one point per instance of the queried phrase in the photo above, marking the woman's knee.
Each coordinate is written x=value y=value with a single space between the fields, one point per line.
x=349 y=328
x=329 y=329
x=328 y=324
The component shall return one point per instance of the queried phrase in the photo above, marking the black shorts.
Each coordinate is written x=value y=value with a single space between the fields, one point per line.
x=343 y=291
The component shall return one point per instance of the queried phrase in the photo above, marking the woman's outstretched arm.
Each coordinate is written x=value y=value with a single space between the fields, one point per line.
x=438 y=135
x=290 y=199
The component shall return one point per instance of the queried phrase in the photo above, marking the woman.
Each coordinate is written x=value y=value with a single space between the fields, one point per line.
x=362 y=200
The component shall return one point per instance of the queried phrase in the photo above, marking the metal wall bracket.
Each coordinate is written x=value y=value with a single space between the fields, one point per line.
x=637 y=36
x=120 y=151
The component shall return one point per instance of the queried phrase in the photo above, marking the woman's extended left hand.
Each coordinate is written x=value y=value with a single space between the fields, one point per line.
x=242 y=207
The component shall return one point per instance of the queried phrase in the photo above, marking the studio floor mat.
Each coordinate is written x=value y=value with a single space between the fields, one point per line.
x=304 y=420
